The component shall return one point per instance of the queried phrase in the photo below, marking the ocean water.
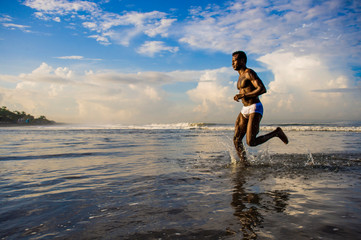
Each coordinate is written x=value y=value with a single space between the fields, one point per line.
x=178 y=181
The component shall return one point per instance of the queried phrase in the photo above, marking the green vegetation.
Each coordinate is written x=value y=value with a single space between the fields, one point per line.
x=16 y=117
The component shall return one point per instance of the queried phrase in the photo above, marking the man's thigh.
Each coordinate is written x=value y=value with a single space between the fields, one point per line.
x=241 y=126
x=254 y=121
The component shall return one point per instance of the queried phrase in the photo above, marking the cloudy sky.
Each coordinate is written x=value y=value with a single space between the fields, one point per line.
x=140 y=61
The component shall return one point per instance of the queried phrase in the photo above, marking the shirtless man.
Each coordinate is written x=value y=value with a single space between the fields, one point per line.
x=250 y=87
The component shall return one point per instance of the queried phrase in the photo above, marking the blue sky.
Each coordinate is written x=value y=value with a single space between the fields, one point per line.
x=122 y=61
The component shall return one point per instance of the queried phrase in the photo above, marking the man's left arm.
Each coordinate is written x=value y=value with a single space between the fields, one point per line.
x=257 y=83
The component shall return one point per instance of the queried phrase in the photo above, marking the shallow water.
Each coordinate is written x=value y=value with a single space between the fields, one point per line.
x=176 y=183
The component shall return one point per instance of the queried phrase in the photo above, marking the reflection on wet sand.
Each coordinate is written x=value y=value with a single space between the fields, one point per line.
x=249 y=204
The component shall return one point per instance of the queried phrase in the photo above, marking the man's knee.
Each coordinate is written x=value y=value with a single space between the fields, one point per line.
x=251 y=142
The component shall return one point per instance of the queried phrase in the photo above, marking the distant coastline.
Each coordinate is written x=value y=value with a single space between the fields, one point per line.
x=3 y=124
x=15 y=118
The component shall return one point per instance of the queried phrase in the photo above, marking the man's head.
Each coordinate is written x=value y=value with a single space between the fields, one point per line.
x=239 y=60
x=240 y=55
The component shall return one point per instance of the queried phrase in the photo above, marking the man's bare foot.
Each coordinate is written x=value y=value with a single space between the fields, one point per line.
x=243 y=160
x=245 y=163
x=282 y=135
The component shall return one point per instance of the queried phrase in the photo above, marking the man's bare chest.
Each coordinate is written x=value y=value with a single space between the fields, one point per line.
x=243 y=82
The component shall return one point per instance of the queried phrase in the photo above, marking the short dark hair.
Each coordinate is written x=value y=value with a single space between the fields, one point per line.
x=240 y=55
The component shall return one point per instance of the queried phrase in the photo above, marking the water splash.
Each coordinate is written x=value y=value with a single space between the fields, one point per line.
x=228 y=145
x=260 y=157
x=311 y=160
x=263 y=157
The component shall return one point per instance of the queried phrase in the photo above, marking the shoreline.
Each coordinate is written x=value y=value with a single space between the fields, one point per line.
x=27 y=124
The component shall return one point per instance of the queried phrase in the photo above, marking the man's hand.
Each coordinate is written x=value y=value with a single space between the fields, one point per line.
x=237 y=97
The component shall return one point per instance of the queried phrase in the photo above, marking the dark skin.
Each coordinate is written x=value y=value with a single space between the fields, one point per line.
x=250 y=88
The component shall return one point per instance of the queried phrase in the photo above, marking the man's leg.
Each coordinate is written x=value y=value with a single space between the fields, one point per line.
x=239 y=132
x=253 y=129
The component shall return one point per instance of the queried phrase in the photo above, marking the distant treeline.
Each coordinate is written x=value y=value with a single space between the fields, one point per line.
x=16 y=117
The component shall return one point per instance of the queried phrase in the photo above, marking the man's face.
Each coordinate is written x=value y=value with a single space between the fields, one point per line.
x=236 y=63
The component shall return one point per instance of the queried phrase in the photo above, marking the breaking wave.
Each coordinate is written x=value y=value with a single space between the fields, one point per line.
x=355 y=127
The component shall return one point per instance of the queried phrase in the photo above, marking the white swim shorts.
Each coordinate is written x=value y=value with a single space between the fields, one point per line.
x=254 y=108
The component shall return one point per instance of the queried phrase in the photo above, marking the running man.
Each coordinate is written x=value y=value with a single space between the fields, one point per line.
x=250 y=87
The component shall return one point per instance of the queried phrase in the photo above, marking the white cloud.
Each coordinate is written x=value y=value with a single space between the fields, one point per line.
x=108 y=27
x=14 y=26
x=46 y=74
x=5 y=18
x=213 y=94
x=150 y=48
x=78 y=58
x=71 y=57
x=8 y=78
x=42 y=16
x=151 y=93
x=110 y=96
x=325 y=27
x=90 y=25
x=101 y=39
x=57 y=19
x=159 y=28
x=121 y=29
x=301 y=90
x=61 y=7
